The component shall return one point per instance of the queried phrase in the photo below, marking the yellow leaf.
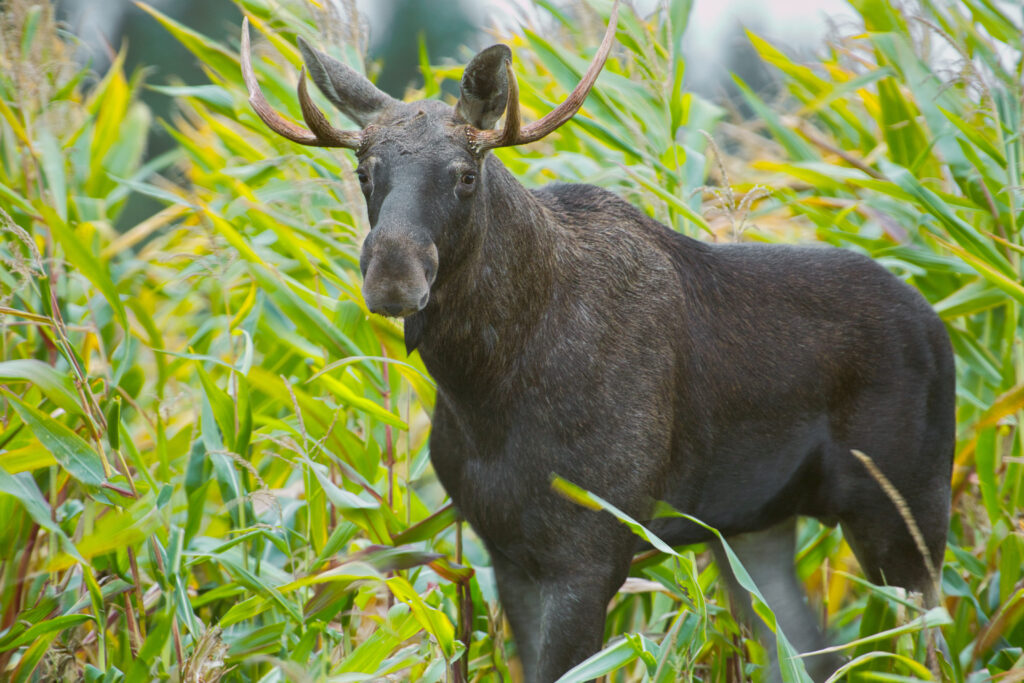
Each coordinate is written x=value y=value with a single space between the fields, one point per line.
x=1007 y=404
x=27 y=459
x=15 y=124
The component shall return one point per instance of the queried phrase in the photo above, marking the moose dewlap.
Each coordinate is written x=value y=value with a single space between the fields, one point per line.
x=570 y=334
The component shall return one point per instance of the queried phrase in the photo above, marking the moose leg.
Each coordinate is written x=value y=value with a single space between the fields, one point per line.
x=888 y=553
x=572 y=621
x=521 y=600
x=768 y=558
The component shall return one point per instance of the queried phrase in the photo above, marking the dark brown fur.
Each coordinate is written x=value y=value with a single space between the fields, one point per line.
x=570 y=334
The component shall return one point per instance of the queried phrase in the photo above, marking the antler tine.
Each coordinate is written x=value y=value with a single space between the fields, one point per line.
x=317 y=122
x=323 y=135
x=514 y=134
x=513 y=119
x=567 y=109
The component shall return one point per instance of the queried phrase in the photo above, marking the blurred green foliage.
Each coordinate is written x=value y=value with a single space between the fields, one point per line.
x=213 y=461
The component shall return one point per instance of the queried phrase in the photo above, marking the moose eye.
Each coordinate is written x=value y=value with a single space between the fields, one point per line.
x=361 y=175
x=465 y=184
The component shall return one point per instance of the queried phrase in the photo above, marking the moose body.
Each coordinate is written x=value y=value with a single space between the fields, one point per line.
x=570 y=334
x=731 y=381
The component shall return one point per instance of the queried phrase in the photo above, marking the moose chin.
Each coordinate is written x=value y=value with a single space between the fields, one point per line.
x=571 y=334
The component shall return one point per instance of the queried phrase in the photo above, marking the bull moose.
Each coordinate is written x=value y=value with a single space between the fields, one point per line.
x=571 y=334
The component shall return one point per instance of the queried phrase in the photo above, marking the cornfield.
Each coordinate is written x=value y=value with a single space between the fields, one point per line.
x=214 y=461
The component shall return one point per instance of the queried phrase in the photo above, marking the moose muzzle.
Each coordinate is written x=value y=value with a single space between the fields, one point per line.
x=398 y=271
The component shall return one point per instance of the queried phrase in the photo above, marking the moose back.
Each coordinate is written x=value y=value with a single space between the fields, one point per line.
x=570 y=334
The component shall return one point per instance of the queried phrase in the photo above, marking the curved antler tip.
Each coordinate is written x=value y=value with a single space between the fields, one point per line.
x=514 y=133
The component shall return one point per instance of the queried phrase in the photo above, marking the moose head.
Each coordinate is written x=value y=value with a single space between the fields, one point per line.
x=421 y=164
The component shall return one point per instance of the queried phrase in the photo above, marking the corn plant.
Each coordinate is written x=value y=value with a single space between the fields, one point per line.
x=207 y=449
x=70 y=358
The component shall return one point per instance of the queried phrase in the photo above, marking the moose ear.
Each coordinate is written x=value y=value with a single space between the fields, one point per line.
x=485 y=88
x=349 y=91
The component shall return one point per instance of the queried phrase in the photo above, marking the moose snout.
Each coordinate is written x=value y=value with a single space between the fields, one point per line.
x=397 y=276
x=397 y=308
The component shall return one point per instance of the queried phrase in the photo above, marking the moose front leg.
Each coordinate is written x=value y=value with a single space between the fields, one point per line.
x=521 y=599
x=573 y=617
x=557 y=621
x=572 y=623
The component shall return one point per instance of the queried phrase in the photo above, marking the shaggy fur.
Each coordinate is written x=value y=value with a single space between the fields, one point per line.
x=570 y=334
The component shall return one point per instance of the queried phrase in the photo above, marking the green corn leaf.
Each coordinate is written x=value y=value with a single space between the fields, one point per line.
x=53 y=170
x=428 y=527
x=156 y=643
x=214 y=96
x=349 y=397
x=55 y=625
x=223 y=467
x=611 y=658
x=243 y=417
x=346 y=574
x=86 y=263
x=433 y=620
x=222 y=404
x=1009 y=285
x=113 y=417
x=371 y=653
x=210 y=54
x=30 y=659
x=964 y=234
x=976 y=135
x=244 y=610
x=675 y=202
x=15 y=200
x=55 y=385
x=29 y=29
x=793 y=143
x=970 y=299
x=903 y=135
x=74 y=455
x=305 y=317
x=118 y=529
x=248 y=643
x=24 y=489
x=109 y=103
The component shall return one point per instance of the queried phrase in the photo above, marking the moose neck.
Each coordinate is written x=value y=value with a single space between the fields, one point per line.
x=484 y=310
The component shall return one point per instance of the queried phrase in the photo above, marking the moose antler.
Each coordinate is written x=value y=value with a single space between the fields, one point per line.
x=514 y=133
x=323 y=133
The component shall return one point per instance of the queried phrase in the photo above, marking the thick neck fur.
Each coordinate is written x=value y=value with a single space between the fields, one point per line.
x=486 y=306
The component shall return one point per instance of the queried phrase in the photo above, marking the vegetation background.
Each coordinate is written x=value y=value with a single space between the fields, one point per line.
x=213 y=461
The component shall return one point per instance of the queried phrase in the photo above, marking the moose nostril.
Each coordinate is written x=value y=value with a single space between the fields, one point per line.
x=423 y=300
